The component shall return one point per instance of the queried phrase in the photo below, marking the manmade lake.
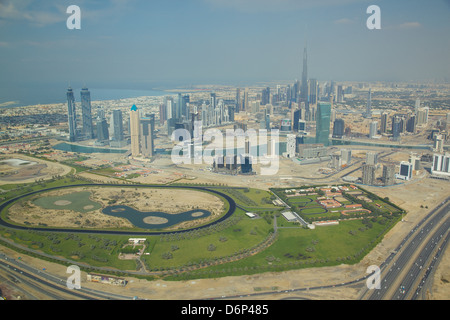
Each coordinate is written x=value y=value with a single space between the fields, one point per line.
x=154 y=220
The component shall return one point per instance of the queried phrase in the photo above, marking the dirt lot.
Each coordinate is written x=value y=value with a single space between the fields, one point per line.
x=41 y=169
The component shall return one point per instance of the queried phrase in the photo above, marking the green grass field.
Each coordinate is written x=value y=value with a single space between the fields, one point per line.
x=243 y=235
x=294 y=247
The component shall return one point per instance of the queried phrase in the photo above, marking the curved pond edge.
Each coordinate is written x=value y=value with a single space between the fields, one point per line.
x=228 y=199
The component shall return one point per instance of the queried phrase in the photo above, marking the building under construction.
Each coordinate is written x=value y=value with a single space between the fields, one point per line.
x=230 y=164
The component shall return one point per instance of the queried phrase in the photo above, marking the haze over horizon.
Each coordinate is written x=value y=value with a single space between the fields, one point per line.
x=136 y=44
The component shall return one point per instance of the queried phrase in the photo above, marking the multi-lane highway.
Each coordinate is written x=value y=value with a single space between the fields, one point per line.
x=403 y=272
x=51 y=286
x=403 y=267
x=397 y=263
x=411 y=280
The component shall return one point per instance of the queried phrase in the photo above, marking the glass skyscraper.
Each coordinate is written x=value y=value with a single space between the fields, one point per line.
x=323 y=118
x=338 y=128
x=304 y=90
x=117 y=124
x=147 y=135
x=72 y=115
x=86 y=113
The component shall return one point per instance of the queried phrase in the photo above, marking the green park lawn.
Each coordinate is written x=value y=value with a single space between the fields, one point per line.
x=243 y=235
x=293 y=248
x=302 y=248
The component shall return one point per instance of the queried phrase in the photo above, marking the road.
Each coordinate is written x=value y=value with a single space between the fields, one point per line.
x=51 y=286
x=38 y=280
x=405 y=290
x=404 y=270
x=411 y=254
x=396 y=263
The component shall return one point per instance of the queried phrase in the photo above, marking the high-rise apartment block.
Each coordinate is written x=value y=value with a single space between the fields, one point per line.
x=72 y=115
x=86 y=113
x=323 y=123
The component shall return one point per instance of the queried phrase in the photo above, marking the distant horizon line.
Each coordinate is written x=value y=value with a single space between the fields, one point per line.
x=165 y=89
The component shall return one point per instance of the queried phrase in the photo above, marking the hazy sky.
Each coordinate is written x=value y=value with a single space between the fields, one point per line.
x=141 y=43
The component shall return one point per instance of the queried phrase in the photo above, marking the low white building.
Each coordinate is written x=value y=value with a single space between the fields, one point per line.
x=289 y=216
x=251 y=215
x=137 y=240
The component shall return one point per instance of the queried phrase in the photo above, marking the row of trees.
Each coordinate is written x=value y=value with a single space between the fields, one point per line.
x=197 y=233
x=207 y=262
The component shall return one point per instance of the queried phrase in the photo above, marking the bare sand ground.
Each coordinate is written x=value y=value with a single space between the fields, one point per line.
x=47 y=169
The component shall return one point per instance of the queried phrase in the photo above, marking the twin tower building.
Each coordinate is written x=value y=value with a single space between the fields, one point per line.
x=142 y=127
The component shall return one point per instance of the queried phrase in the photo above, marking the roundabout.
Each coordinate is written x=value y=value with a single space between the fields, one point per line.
x=155 y=223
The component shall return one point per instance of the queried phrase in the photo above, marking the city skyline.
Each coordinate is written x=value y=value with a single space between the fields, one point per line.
x=259 y=149
x=140 y=45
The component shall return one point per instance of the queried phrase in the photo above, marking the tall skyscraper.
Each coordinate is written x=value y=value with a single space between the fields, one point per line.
x=162 y=113
x=117 y=129
x=102 y=131
x=396 y=127
x=417 y=106
x=213 y=100
x=245 y=101
x=371 y=158
x=72 y=115
x=296 y=116
x=134 y=131
x=313 y=91
x=438 y=145
x=323 y=115
x=346 y=155
x=267 y=121
x=238 y=100
x=368 y=113
x=373 y=129
x=340 y=94
x=388 y=177
x=265 y=96
x=147 y=135
x=383 y=125
x=178 y=112
x=185 y=100
x=338 y=128
x=86 y=113
x=411 y=124
x=422 y=116
x=290 y=145
x=170 y=107
x=304 y=89
x=368 y=174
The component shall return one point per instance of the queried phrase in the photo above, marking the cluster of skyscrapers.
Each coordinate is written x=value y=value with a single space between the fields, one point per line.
x=217 y=112
x=98 y=128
